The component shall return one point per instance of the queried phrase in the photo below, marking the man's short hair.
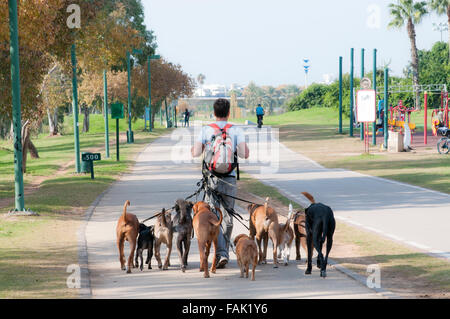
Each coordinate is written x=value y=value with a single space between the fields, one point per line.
x=221 y=108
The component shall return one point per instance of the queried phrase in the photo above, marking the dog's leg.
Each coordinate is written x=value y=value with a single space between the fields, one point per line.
x=169 y=252
x=241 y=267
x=187 y=247
x=139 y=253
x=275 y=251
x=158 y=253
x=265 y=243
x=260 y=253
x=120 y=244
x=204 y=252
x=323 y=272
x=130 y=258
x=213 y=267
x=247 y=266
x=309 y=244
x=318 y=245
x=180 y=253
x=150 y=255
x=255 y=261
x=297 y=244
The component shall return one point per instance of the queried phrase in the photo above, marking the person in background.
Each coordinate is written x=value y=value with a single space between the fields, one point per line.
x=187 y=114
x=260 y=115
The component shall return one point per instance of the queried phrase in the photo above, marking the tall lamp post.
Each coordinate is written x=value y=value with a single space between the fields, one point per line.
x=17 y=117
x=441 y=27
x=306 y=67
x=130 y=137
x=150 y=57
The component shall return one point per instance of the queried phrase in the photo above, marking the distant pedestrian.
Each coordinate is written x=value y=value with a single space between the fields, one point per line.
x=260 y=115
x=187 y=114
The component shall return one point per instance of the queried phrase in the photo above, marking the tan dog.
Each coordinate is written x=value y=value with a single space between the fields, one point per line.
x=300 y=233
x=206 y=227
x=163 y=235
x=246 y=253
x=127 y=229
x=285 y=241
x=264 y=224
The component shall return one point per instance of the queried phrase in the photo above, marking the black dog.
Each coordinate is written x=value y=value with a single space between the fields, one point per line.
x=182 y=225
x=145 y=241
x=320 y=225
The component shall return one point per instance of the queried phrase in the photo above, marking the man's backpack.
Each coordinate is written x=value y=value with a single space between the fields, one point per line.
x=219 y=155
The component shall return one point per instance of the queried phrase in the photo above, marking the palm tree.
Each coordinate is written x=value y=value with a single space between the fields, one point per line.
x=410 y=13
x=441 y=7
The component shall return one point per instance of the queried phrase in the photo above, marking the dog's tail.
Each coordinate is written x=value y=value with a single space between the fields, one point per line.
x=124 y=214
x=218 y=222
x=310 y=197
x=266 y=204
x=163 y=218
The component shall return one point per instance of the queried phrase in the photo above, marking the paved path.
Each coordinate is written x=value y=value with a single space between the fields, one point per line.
x=408 y=214
x=157 y=181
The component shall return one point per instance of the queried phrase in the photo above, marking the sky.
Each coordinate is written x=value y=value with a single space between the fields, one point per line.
x=265 y=41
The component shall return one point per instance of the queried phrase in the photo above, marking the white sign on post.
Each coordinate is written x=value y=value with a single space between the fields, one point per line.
x=366 y=101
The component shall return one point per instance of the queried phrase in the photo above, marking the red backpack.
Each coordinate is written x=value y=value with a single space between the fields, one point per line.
x=220 y=157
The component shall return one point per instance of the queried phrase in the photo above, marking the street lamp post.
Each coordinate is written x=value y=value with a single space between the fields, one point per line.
x=306 y=67
x=17 y=117
x=130 y=137
x=441 y=27
x=150 y=57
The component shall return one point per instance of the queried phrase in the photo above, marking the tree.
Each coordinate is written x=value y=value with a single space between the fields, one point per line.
x=410 y=13
x=441 y=7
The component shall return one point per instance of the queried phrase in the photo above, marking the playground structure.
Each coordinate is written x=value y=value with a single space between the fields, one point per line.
x=399 y=116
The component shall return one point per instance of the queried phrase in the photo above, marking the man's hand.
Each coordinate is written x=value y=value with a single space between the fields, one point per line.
x=243 y=151
x=197 y=149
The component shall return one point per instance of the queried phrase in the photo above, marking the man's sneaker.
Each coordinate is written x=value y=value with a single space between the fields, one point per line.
x=222 y=262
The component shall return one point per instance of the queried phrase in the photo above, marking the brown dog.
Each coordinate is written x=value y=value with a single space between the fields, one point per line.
x=285 y=241
x=206 y=227
x=300 y=234
x=264 y=224
x=163 y=235
x=246 y=253
x=127 y=229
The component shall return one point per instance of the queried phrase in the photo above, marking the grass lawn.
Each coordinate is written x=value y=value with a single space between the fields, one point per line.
x=403 y=270
x=35 y=251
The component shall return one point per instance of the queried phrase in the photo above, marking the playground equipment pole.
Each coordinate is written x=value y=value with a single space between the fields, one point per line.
x=75 y=109
x=361 y=125
x=374 y=125
x=352 y=53
x=425 y=123
x=105 y=83
x=17 y=116
x=340 y=95
x=386 y=103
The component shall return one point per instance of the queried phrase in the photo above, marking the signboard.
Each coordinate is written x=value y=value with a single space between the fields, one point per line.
x=147 y=113
x=117 y=111
x=366 y=101
x=365 y=83
x=87 y=157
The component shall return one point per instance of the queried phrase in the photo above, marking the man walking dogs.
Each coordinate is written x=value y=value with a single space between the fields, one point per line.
x=222 y=143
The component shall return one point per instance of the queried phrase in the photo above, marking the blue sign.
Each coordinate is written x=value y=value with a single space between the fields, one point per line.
x=147 y=113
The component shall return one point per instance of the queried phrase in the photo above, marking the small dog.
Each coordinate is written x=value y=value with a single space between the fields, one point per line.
x=163 y=235
x=320 y=225
x=127 y=229
x=145 y=241
x=246 y=253
x=182 y=224
x=207 y=228
x=300 y=234
x=285 y=240
x=264 y=224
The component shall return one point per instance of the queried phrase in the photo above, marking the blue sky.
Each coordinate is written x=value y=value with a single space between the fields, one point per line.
x=238 y=41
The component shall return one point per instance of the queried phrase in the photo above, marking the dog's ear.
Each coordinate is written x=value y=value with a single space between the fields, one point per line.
x=250 y=207
x=177 y=207
x=190 y=205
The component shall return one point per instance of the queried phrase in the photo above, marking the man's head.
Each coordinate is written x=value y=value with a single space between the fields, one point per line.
x=222 y=108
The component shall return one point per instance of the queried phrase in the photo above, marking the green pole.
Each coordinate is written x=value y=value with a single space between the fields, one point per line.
x=129 y=133
x=340 y=95
x=105 y=82
x=150 y=92
x=167 y=113
x=160 y=114
x=352 y=52
x=75 y=109
x=386 y=103
x=117 y=140
x=17 y=116
x=374 y=125
x=361 y=125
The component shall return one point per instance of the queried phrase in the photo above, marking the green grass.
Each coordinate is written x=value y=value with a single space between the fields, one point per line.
x=35 y=251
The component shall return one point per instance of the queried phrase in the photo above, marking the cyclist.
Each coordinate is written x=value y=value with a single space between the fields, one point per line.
x=260 y=115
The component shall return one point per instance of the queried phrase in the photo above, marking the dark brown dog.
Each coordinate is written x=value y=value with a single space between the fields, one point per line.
x=206 y=227
x=300 y=234
x=127 y=229
x=264 y=224
x=163 y=235
x=246 y=253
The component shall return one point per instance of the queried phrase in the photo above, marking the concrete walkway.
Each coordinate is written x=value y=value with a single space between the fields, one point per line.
x=156 y=181
x=408 y=214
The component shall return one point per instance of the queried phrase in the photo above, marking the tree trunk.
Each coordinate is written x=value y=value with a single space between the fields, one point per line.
x=86 y=119
x=52 y=122
x=415 y=60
